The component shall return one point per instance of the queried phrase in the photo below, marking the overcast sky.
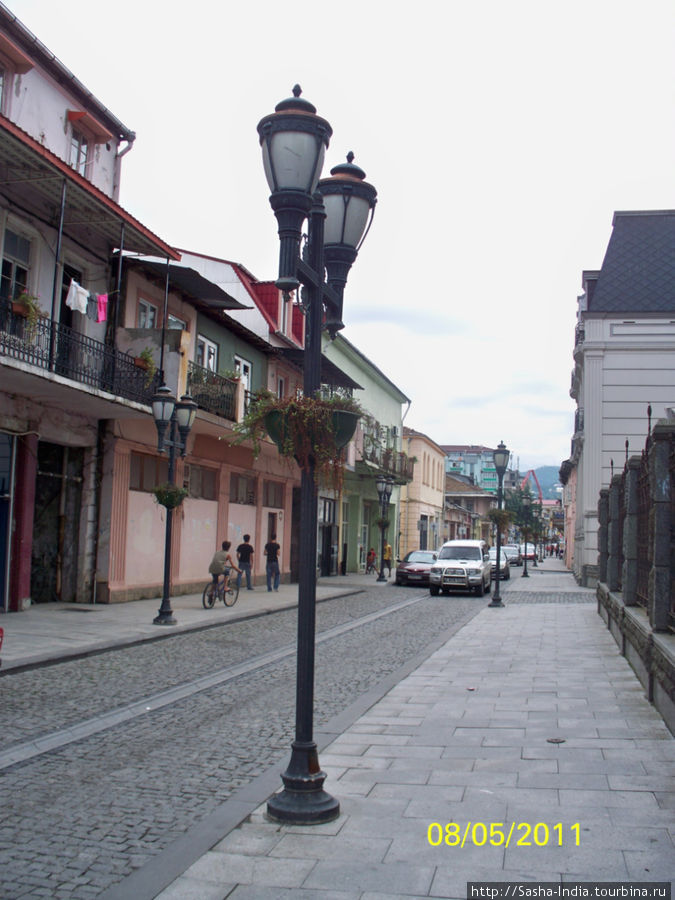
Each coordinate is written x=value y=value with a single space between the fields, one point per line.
x=501 y=136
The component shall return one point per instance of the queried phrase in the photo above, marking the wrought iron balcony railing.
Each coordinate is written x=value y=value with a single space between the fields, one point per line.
x=391 y=462
x=211 y=392
x=64 y=351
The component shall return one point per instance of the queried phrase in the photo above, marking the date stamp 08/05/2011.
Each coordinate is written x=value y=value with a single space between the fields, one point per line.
x=498 y=834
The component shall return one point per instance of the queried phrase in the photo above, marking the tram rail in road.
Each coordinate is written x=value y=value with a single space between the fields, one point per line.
x=54 y=740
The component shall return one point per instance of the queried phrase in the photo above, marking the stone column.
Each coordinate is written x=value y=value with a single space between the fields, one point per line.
x=663 y=435
x=614 y=556
x=630 y=532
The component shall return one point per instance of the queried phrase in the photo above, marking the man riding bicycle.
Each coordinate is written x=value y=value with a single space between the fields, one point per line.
x=222 y=564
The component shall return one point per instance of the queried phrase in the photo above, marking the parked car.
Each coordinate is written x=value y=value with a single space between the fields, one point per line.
x=461 y=566
x=414 y=567
x=527 y=551
x=513 y=554
x=504 y=567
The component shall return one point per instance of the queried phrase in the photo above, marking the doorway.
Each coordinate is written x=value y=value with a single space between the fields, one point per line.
x=58 y=498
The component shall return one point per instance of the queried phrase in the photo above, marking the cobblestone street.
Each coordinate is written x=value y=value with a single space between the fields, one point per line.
x=77 y=819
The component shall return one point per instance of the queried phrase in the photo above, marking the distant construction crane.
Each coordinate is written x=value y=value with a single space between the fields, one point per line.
x=536 y=481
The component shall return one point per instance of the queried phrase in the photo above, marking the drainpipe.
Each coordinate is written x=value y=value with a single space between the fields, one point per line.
x=55 y=283
x=118 y=165
x=164 y=318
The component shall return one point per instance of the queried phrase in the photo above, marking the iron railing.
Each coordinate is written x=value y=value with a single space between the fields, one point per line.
x=211 y=392
x=64 y=351
x=392 y=462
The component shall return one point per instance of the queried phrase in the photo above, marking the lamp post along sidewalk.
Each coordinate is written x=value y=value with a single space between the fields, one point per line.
x=178 y=417
x=339 y=211
x=527 y=502
x=384 y=488
x=501 y=458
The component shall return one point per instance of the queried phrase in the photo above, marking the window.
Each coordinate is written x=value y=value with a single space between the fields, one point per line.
x=243 y=367
x=146 y=472
x=201 y=482
x=242 y=489
x=79 y=152
x=176 y=323
x=326 y=510
x=147 y=314
x=273 y=494
x=281 y=388
x=207 y=354
x=15 y=265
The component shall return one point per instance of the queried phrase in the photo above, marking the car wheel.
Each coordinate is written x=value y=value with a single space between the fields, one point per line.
x=480 y=590
x=433 y=590
x=508 y=575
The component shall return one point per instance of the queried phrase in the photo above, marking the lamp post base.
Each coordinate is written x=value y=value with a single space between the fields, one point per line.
x=165 y=618
x=303 y=800
x=496 y=601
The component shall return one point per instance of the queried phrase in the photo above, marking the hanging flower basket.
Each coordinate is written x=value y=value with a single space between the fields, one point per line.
x=311 y=430
x=169 y=495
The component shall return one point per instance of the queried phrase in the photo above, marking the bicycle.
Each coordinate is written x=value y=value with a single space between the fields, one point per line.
x=216 y=591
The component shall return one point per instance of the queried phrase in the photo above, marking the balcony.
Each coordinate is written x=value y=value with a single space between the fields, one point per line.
x=213 y=393
x=381 y=460
x=59 y=349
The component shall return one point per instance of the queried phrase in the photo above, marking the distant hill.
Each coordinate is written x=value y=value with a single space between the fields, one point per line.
x=548 y=477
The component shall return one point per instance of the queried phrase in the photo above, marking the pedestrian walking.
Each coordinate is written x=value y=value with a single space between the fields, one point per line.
x=244 y=556
x=272 y=567
x=370 y=562
x=386 y=559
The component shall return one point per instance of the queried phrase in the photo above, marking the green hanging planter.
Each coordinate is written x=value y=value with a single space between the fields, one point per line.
x=169 y=495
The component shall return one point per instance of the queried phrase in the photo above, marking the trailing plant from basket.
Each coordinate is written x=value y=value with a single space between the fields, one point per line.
x=500 y=518
x=31 y=307
x=169 y=495
x=307 y=429
x=145 y=360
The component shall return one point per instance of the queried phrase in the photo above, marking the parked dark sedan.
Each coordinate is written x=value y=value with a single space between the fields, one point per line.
x=414 y=567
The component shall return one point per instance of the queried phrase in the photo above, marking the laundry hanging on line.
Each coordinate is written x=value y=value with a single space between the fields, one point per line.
x=77 y=298
x=80 y=299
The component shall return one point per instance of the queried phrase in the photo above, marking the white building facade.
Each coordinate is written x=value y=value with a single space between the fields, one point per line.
x=624 y=363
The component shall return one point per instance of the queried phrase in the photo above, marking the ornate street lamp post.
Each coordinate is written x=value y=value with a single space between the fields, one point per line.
x=384 y=488
x=501 y=457
x=178 y=417
x=339 y=209
x=527 y=502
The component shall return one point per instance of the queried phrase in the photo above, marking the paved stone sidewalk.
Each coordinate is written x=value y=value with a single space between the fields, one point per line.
x=466 y=743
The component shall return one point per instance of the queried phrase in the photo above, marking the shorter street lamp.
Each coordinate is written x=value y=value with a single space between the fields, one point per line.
x=501 y=458
x=527 y=501
x=178 y=417
x=384 y=487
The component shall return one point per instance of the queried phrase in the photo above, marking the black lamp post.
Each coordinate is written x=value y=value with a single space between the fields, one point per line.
x=384 y=488
x=178 y=417
x=527 y=502
x=535 y=536
x=294 y=140
x=501 y=457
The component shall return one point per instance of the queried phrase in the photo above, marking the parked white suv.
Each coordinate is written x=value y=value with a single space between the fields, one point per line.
x=461 y=566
